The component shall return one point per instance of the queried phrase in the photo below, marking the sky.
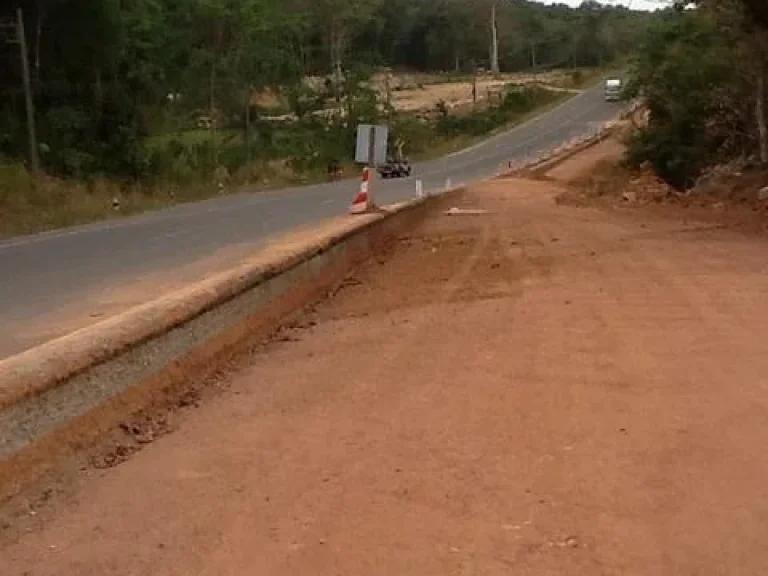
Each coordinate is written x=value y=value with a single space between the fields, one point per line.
x=635 y=4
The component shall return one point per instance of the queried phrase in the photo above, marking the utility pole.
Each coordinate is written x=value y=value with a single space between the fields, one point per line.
x=762 y=127
x=494 y=41
x=388 y=91
x=248 y=150
x=21 y=39
x=34 y=161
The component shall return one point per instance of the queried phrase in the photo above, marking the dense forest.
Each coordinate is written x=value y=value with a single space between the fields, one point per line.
x=106 y=75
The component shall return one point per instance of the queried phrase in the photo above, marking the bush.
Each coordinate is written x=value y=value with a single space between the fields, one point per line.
x=517 y=101
x=678 y=154
x=416 y=132
x=697 y=101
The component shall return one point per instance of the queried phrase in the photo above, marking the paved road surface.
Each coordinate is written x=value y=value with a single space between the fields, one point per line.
x=53 y=283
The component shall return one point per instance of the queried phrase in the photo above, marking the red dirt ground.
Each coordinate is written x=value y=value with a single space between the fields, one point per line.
x=541 y=390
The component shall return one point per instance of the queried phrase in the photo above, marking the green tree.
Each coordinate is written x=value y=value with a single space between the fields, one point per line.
x=107 y=74
x=685 y=73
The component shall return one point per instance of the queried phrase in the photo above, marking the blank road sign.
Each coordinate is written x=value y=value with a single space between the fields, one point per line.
x=365 y=134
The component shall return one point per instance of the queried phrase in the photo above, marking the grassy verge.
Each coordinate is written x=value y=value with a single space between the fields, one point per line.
x=451 y=145
x=30 y=204
x=33 y=204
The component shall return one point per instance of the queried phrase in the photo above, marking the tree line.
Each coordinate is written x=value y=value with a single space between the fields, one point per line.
x=107 y=74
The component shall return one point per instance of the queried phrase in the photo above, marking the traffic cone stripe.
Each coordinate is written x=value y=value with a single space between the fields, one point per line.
x=360 y=202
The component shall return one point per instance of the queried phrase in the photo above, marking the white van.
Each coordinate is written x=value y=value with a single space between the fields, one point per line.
x=612 y=89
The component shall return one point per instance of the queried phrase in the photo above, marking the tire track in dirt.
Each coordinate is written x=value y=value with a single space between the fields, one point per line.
x=601 y=350
x=675 y=296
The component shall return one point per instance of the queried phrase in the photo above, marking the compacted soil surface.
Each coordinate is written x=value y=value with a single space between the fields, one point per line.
x=516 y=387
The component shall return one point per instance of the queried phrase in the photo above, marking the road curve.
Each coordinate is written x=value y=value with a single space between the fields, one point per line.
x=55 y=282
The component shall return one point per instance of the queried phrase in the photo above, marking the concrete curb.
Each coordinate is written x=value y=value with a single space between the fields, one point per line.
x=58 y=397
x=37 y=370
x=549 y=160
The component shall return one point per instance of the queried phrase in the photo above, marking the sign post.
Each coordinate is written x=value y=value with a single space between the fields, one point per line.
x=370 y=165
x=371 y=150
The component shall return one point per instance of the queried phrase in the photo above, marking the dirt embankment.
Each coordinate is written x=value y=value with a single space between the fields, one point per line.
x=425 y=97
x=732 y=196
x=529 y=388
x=423 y=92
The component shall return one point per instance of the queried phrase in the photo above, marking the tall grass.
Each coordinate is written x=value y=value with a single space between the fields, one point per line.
x=36 y=203
x=31 y=204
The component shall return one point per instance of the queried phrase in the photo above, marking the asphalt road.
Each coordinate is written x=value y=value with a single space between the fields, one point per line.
x=55 y=282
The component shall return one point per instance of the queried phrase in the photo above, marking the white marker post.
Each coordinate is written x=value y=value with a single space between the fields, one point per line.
x=370 y=167
x=419 y=189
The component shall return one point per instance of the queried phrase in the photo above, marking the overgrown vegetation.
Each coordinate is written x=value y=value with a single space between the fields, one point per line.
x=702 y=73
x=160 y=99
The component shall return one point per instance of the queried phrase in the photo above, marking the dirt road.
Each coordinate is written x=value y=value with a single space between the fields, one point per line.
x=539 y=390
